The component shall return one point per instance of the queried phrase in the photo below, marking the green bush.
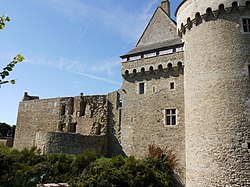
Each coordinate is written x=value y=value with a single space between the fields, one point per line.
x=119 y=171
x=25 y=168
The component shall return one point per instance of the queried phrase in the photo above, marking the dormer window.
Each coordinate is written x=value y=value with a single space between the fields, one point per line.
x=246 y=25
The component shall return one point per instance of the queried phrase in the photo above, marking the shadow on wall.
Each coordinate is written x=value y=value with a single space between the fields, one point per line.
x=114 y=146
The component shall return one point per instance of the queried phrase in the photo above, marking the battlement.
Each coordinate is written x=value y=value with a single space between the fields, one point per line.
x=159 y=68
x=190 y=14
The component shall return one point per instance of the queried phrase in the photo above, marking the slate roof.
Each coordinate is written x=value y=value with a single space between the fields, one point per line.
x=159 y=45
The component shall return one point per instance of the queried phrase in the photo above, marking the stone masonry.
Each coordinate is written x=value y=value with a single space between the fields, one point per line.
x=185 y=88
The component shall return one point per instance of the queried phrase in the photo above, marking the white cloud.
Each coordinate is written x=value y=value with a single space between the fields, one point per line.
x=107 y=67
x=128 y=24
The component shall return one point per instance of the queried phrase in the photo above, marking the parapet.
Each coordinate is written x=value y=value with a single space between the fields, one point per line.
x=191 y=13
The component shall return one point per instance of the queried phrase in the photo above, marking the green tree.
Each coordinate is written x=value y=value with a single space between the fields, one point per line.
x=7 y=69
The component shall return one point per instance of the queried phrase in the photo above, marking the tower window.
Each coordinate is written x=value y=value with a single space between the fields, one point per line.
x=246 y=25
x=141 y=88
x=172 y=86
x=170 y=117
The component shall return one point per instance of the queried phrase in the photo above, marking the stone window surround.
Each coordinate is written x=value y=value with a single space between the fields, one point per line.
x=248 y=24
x=165 y=117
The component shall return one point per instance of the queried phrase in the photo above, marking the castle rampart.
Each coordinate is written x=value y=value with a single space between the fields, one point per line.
x=60 y=142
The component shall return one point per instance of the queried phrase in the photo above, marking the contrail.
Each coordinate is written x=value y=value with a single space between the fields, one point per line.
x=96 y=77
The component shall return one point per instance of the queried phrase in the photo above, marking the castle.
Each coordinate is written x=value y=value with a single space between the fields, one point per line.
x=185 y=86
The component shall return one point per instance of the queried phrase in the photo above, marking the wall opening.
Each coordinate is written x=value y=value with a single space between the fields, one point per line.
x=198 y=19
x=82 y=108
x=61 y=126
x=172 y=85
x=141 y=88
x=62 y=109
x=72 y=127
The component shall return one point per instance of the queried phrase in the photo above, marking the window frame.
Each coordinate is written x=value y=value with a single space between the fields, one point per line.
x=170 y=115
x=139 y=88
x=247 y=25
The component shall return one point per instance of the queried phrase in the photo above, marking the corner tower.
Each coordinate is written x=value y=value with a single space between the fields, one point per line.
x=216 y=91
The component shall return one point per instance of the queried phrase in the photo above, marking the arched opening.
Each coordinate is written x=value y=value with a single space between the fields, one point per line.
x=126 y=72
x=160 y=67
x=134 y=71
x=209 y=14
x=183 y=28
x=143 y=70
x=222 y=10
x=179 y=65
x=151 y=69
x=170 y=66
x=247 y=3
x=189 y=24
x=198 y=19
x=235 y=8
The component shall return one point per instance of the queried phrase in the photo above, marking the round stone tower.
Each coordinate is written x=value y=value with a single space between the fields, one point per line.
x=217 y=91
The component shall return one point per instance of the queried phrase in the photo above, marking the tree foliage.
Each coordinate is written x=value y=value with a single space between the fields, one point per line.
x=26 y=168
x=4 y=128
x=18 y=58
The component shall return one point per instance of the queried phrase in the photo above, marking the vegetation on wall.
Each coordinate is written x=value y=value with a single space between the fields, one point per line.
x=27 y=168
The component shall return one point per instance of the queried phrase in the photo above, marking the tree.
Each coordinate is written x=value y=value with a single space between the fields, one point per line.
x=4 y=128
x=7 y=69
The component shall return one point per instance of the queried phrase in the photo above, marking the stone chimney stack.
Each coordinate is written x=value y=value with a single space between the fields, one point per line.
x=165 y=5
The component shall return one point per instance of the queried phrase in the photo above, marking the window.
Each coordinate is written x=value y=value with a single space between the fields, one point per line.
x=171 y=85
x=141 y=88
x=246 y=25
x=170 y=117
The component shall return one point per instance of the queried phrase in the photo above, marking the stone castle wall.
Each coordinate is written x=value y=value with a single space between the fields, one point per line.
x=60 y=142
x=143 y=118
x=217 y=90
x=85 y=115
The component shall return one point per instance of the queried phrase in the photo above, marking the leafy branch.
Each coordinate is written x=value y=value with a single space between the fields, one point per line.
x=3 y=19
x=6 y=70
x=19 y=58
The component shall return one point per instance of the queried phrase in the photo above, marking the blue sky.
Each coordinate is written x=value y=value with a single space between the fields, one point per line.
x=70 y=46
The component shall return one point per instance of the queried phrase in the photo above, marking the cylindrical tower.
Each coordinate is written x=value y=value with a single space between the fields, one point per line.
x=217 y=87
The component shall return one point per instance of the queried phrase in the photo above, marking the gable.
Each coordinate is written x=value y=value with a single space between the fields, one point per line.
x=160 y=28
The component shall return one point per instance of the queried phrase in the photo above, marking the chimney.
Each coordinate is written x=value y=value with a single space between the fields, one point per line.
x=165 y=5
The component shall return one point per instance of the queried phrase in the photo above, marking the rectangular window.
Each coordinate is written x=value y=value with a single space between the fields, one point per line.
x=171 y=85
x=141 y=88
x=170 y=116
x=246 y=25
